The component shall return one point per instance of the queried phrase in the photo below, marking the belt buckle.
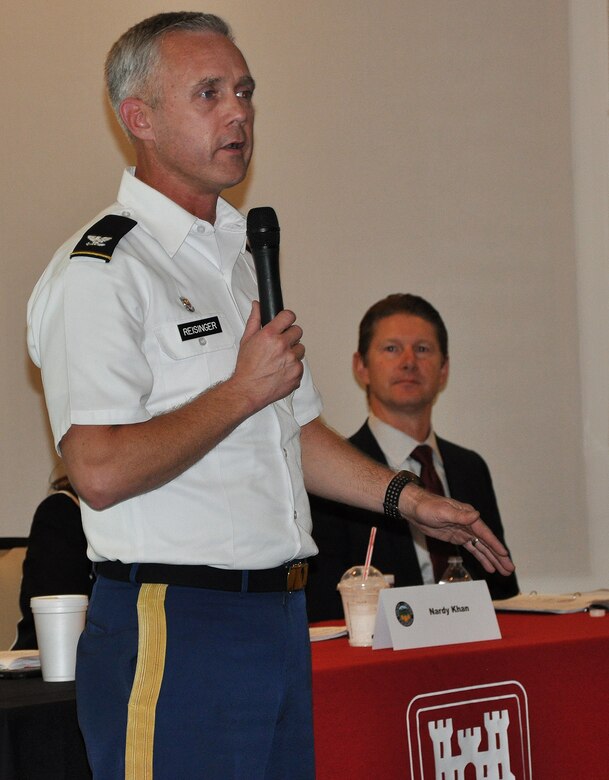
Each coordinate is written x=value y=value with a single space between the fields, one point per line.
x=297 y=576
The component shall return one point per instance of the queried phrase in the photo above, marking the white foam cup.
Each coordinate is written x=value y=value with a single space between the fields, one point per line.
x=59 y=622
x=360 y=602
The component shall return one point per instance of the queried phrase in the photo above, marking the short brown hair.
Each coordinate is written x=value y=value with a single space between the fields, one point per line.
x=400 y=303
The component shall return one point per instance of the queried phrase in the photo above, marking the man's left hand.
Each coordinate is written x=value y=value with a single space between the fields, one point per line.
x=457 y=523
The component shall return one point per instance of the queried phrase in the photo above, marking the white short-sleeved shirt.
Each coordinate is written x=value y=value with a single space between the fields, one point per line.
x=117 y=343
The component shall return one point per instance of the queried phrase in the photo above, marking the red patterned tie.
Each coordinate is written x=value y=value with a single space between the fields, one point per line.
x=439 y=551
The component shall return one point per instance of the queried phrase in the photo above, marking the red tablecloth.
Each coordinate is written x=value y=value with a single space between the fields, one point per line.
x=375 y=710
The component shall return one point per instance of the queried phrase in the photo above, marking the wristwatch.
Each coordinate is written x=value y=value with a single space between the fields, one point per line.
x=394 y=490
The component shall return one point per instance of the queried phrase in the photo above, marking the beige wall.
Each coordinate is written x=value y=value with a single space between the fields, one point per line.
x=410 y=146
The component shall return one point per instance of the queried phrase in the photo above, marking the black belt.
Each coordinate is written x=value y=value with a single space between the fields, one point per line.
x=288 y=577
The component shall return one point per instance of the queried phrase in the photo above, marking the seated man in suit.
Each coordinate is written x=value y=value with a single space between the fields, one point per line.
x=402 y=361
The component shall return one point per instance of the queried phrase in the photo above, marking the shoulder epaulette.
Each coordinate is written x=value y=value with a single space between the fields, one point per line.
x=102 y=238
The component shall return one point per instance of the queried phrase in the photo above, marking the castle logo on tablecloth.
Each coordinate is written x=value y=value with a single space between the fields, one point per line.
x=480 y=732
x=492 y=763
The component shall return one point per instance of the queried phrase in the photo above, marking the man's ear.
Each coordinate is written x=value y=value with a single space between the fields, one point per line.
x=136 y=117
x=444 y=371
x=360 y=371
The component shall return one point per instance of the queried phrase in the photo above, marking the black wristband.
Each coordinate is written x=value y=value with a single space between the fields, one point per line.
x=394 y=490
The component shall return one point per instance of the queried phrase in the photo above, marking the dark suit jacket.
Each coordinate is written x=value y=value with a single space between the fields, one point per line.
x=342 y=532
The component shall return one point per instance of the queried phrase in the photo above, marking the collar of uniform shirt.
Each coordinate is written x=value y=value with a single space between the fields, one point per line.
x=167 y=222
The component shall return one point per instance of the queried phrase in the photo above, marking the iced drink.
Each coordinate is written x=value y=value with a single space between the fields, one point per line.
x=360 y=600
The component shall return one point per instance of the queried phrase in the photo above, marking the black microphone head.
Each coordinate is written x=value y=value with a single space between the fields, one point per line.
x=262 y=228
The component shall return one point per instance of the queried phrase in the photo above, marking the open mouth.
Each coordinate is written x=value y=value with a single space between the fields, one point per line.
x=237 y=145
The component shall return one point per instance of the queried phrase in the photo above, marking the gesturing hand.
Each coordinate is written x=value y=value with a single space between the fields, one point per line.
x=457 y=523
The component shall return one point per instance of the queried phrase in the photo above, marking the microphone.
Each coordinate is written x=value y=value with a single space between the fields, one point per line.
x=263 y=238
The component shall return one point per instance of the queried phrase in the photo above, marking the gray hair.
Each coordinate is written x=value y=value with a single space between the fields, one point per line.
x=132 y=61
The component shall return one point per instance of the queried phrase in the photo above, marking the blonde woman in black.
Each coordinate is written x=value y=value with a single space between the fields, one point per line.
x=56 y=558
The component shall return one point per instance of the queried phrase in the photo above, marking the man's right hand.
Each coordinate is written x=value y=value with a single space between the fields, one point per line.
x=269 y=364
x=110 y=463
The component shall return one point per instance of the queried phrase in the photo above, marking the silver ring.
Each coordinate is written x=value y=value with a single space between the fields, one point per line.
x=474 y=541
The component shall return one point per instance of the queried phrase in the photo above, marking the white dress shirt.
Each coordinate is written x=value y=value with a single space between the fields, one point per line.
x=397 y=447
x=107 y=338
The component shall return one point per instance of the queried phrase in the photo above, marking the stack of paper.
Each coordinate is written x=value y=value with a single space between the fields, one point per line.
x=19 y=660
x=319 y=633
x=558 y=603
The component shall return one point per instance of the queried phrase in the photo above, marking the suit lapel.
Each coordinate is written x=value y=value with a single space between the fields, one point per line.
x=452 y=470
x=365 y=441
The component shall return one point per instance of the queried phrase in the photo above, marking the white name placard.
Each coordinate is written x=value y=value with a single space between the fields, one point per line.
x=429 y=615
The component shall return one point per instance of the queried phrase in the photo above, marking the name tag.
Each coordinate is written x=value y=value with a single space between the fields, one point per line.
x=431 y=615
x=198 y=328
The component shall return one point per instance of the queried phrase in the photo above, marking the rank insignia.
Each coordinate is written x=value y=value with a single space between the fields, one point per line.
x=102 y=238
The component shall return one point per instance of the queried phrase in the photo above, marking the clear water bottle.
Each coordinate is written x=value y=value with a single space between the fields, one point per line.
x=455 y=571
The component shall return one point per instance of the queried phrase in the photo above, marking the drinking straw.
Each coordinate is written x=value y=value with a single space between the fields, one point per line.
x=369 y=552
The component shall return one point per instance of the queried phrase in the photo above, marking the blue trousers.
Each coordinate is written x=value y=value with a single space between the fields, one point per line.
x=175 y=683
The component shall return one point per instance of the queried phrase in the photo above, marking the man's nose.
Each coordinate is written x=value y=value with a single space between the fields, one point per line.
x=237 y=110
x=407 y=358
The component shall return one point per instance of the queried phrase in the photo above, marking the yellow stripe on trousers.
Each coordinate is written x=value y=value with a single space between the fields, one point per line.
x=152 y=642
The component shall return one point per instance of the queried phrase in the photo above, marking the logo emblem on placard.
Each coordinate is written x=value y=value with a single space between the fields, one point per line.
x=404 y=613
x=483 y=729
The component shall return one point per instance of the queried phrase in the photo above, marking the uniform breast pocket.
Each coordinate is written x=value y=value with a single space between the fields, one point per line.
x=193 y=355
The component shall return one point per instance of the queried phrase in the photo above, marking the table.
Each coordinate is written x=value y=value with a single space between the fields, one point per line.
x=39 y=734
x=373 y=708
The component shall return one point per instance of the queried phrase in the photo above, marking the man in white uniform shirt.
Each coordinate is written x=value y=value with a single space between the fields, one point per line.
x=190 y=433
